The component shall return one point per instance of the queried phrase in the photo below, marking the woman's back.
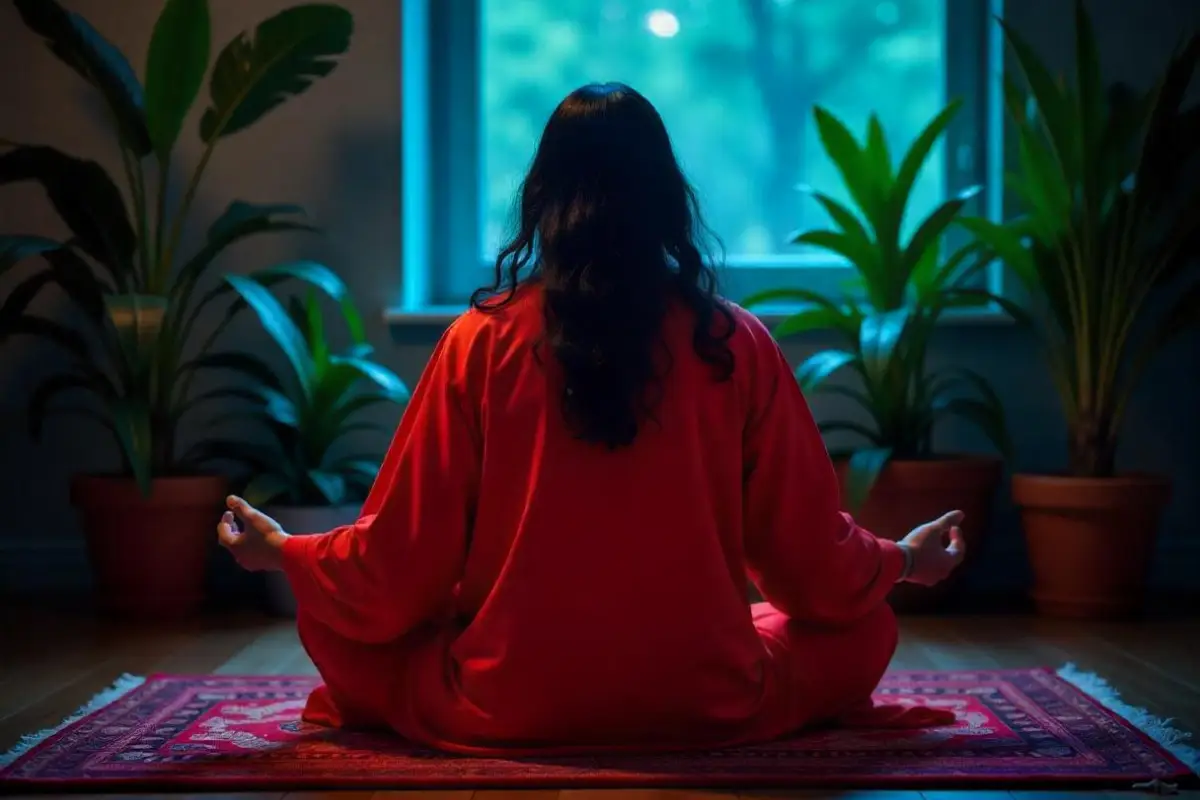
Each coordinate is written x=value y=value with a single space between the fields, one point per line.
x=608 y=580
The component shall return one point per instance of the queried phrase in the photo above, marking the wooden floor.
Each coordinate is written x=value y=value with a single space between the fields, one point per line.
x=51 y=663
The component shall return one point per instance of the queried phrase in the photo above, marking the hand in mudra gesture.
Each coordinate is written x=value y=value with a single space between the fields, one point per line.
x=257 y=544
x=937 y=549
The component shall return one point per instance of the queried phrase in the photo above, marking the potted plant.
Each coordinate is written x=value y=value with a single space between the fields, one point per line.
x=904 y=284
x=1111 y=219
x=305 y=479
x=141 y=297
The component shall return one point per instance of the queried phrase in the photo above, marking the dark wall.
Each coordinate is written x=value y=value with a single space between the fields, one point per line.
x=337 y=151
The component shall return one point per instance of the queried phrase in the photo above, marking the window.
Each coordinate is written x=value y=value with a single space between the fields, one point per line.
x=735 y=81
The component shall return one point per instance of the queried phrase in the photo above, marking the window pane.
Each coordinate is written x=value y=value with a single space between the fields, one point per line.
x=735 y=81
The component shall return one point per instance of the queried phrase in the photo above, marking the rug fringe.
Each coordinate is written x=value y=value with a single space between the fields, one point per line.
x=1160 y=730
x=122 y=686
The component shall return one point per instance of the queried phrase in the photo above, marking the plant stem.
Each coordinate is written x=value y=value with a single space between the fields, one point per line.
x=164 y=264
x=164 y=176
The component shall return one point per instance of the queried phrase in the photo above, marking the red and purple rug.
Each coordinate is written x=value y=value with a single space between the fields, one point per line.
x=1018 y=728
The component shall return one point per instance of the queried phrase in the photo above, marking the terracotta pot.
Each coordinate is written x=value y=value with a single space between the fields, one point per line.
x=149 y=554
x=298 y=521
x=911 y=493
x=1090 y=540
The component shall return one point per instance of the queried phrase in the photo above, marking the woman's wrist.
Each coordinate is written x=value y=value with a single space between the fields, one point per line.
x=907 y=552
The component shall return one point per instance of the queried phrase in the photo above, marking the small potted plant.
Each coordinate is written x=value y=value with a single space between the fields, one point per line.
x=305 y=479
x=1106 y=181
x=895 y=480
x=143 y=305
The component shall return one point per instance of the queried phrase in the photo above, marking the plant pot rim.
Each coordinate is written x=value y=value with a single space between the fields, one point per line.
x=940 y=458
x=1050 y=479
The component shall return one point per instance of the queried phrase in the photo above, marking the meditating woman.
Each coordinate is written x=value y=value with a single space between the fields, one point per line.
x=554 y=555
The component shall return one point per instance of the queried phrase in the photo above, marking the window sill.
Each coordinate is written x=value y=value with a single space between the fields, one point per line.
x=442 y=316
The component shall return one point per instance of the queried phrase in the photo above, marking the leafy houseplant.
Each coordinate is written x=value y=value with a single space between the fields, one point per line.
x=894 y=480
x=305 y=479
x=1111 y=220
x=148 y=330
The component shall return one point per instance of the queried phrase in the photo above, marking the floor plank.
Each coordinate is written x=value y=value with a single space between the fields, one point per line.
x=1155 y=665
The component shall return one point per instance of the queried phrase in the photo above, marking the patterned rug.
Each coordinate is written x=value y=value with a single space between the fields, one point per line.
x=1015 y=729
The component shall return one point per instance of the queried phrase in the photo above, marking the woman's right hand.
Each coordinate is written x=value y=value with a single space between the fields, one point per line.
x=936 y=548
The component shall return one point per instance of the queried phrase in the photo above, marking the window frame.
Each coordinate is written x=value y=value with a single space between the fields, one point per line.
x=441 y=136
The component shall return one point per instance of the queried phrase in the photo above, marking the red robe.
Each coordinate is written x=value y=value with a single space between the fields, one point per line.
x=510 y=589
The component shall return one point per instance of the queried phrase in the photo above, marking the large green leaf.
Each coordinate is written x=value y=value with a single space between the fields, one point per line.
x=23 y=294
x=862 y=471
x=814 y=318
x=929 y=233
x=78 y=45
x=251 y=366
x=175 y=67
x=285 y=56
x=323 y=278
x=275 y=321
x=918 y=152
x=239 y=221
x=817 y=368
x=131 y=420
x=1005 y=241
x=1052 y=104
x=84 y=196
x=985 y=410
x=879 y=336
x=848 y=157
x=331 y=485
x=14 y=249
x=387 y=382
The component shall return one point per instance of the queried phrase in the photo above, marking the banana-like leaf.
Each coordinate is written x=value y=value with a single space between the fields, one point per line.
x=84 y=196
x=15 y=249
x=818 y=367
x=285 y=55
x=862 y=471
x=266 y=488
x=53 y=386
x=323 y=278
x=78 y=45
x=275 y=321
x=175 y=67
x=331 y=485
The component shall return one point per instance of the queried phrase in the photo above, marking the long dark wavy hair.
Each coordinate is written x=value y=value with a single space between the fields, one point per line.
x=610 y=229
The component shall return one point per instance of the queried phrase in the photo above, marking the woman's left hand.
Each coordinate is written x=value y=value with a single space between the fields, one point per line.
x=259 y=545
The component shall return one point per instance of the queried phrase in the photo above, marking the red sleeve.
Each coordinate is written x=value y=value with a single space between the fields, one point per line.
x=806 y=557
x=398 y=565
